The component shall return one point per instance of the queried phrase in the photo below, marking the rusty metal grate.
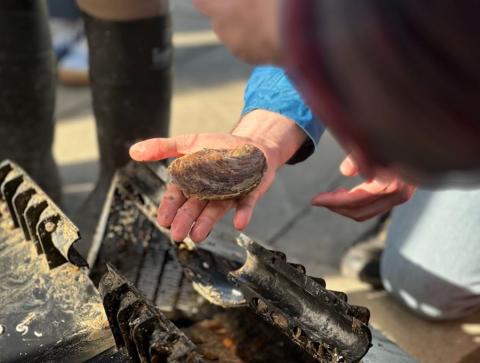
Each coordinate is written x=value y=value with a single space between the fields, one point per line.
x=51 y=309
x=39 y=218
x=49 y=306
x=139 y=327
x=318 y=320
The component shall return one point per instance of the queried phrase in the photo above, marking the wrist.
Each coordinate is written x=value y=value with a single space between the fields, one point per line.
x=277 y=134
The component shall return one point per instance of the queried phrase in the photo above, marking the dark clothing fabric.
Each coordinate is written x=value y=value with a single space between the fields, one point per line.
x=397 y=82
x=270 y=89
x=64 y=9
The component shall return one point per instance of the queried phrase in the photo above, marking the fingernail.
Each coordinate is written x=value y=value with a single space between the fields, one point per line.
x=137 y=149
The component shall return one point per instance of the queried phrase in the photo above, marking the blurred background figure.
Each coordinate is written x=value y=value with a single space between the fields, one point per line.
x=27 y=76
x=69 y=42
x=130 y=82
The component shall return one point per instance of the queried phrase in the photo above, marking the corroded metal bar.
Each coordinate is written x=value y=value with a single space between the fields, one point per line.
x=39 y=217
x=320 y=321
x=50 y=308
x=128 y=238
x=35 y=206
x=140 y=327
x=20 y=202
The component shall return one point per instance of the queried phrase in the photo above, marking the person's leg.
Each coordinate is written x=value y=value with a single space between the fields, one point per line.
x=130 y=73
x=432 y=257
x=27 y=91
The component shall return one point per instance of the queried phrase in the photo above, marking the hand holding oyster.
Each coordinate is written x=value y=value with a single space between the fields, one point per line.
x=231 y=173
x=219 y=174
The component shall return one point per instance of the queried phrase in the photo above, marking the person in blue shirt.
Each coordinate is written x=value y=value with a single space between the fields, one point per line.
x=430 y=262
x=276 y=119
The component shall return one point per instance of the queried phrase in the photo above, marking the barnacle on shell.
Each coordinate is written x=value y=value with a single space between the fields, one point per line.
x=217 y=174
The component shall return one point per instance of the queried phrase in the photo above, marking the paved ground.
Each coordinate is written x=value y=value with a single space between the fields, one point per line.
x=208 y=97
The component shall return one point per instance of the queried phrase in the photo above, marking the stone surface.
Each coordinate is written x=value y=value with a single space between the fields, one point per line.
x=429 y=341
x=72 y=101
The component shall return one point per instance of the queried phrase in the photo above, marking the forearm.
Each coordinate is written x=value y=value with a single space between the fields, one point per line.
x=269 y=89
x=276 y=132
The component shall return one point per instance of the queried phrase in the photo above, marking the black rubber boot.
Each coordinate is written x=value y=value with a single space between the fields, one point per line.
x=131 y=80
x=27 y=91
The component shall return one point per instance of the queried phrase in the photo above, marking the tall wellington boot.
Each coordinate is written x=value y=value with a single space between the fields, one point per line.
x=130 y=72
x=27 y=91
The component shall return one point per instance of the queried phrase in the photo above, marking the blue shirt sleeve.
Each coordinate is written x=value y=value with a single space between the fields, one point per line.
x=270 y=89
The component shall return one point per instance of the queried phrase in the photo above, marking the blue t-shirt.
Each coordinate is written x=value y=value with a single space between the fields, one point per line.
x=270 y=89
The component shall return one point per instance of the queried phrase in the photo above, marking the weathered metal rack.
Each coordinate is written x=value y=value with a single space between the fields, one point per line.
x=318 y=320
x=51 y=310
x=139 y=327
x=39 y=217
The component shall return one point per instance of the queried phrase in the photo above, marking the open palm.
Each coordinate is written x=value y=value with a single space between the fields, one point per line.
x=366 y=200
x=190 y=216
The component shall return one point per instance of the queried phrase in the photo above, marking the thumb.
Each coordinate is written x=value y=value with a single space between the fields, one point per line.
x=348 y=167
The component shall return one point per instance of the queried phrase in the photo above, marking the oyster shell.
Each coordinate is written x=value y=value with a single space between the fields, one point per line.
x=218 y=174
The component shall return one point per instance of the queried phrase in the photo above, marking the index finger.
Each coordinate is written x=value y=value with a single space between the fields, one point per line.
x=163 y=148
x=158 y=148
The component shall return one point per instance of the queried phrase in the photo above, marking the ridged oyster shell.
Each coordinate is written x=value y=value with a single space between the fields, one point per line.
x=218 y=174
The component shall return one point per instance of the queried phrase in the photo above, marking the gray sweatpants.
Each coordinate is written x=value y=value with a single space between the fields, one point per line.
x=432 y=257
